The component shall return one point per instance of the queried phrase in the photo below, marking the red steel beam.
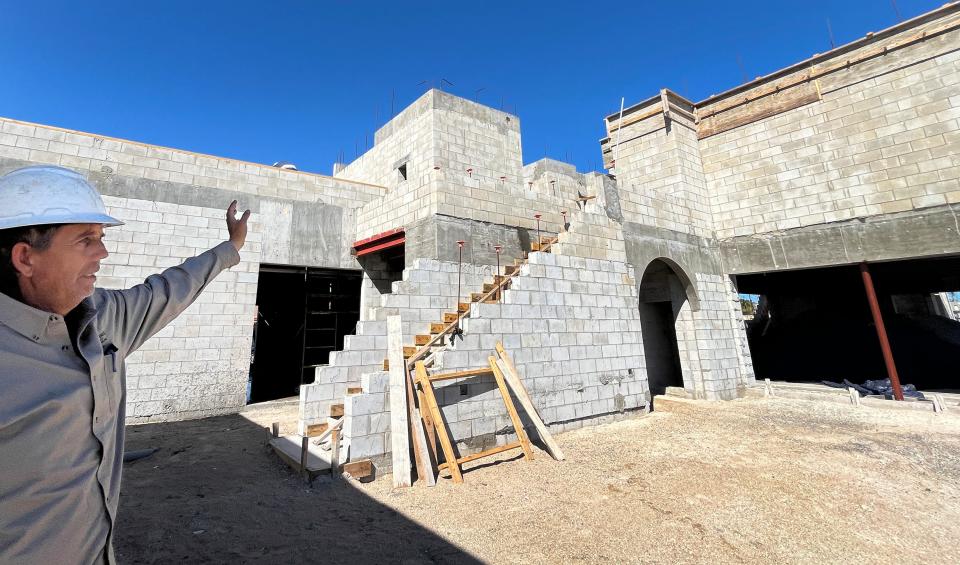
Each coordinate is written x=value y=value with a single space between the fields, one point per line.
x=381 y=246
x=881 y=331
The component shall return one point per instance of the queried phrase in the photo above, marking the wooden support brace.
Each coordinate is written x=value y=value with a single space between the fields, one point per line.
x=424 y=383
x=335 y=452
x=511 y=410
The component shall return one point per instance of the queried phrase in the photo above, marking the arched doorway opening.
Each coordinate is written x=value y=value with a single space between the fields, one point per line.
x=664 y=288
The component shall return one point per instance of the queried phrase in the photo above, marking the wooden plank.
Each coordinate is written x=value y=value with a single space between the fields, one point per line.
x=336 y=426
x=354 y=389
x=421 y=449
x=304 y=449
x=421 y=339
x=491 y=451
x=359 y=469
x=514 y=382
x=634 y=118
x=771 y=106
x=450 y=317
x=523 y=395
x=399 y=424
x=818 y=70
x=428 y=426
x=424 y=382
x=665 y=105
x=460 y=374
x=335 y=452
x=463 y=307
x=511 y=410
x=276 y=429
x=314 y=430
x=386 y=364
x=336 y=410
x=437 y=328
x=409 y=351
x=477 y=296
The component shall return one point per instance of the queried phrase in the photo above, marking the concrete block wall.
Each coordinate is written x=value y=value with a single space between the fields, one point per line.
x=570 y=325
x=883 y=139
x=555 y=178
x=711 y=342
x=660 y=177
x=366 y=424
x=474 y=136
x=198 y=365
x=408 y=139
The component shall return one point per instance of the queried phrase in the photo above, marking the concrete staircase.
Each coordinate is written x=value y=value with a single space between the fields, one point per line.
x=356 y=381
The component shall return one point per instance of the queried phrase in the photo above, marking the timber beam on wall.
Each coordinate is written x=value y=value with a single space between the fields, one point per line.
x=746 y=104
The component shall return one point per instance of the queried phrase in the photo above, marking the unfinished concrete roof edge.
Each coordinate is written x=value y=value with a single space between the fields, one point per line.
x=434 y=99
x=871 y=37
x=193 y=153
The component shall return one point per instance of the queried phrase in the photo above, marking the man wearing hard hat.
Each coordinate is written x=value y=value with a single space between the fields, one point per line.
x=62 y=349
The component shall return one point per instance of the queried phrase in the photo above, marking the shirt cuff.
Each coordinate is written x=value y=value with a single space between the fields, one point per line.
x=227 y=254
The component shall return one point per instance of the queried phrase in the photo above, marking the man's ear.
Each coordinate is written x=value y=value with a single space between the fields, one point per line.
x=22 y=257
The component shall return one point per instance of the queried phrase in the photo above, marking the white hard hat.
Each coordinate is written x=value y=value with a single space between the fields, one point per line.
x=45 y=194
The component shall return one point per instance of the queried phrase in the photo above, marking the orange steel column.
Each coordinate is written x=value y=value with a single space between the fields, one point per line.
x=881 y=331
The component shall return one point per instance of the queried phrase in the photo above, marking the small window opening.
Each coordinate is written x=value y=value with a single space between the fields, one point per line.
x=402 y=169
x=463 y=390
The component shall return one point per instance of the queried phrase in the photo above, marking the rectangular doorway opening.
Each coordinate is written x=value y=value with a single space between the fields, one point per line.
x=812 y=325
x=303 y=315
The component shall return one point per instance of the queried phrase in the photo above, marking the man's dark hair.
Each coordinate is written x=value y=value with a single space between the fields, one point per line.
x=38 y=237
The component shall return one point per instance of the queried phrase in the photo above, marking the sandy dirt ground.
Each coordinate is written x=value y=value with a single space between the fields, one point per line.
x=747 y=481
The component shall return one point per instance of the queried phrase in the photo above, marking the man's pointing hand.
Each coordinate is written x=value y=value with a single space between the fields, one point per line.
x=237 y=228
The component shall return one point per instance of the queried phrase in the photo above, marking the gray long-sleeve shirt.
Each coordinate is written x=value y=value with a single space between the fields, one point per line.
x=62 y=407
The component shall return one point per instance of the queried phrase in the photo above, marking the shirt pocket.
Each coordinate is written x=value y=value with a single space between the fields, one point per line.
x=110 y=370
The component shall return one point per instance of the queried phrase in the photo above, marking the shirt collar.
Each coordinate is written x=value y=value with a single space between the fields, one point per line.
x=26 y=320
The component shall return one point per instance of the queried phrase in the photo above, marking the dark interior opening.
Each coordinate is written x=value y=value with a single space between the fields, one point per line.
x=660 y=346
x=661 y=297
x=815 y=324
x=302 y=315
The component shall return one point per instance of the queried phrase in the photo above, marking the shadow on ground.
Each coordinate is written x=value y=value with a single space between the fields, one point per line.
x=215 y=493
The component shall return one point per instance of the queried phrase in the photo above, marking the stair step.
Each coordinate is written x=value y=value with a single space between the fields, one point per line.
x=386 y=364
x=487 y=287
x=437 y=328
x=491 y=301
x=354 y=389
x=476 y=296
x=409 y=351
x=463 y=306
x=511 y=270
x=422 y=339
x=535 y=246
x=450 y=317
x=336 y=410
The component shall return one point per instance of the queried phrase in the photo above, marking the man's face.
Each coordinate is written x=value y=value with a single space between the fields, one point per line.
x=63 y=274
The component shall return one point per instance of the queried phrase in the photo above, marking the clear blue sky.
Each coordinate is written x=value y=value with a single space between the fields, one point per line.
x=302 y=81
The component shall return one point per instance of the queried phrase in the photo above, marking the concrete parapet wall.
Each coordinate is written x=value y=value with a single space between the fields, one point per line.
x=882 y=139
